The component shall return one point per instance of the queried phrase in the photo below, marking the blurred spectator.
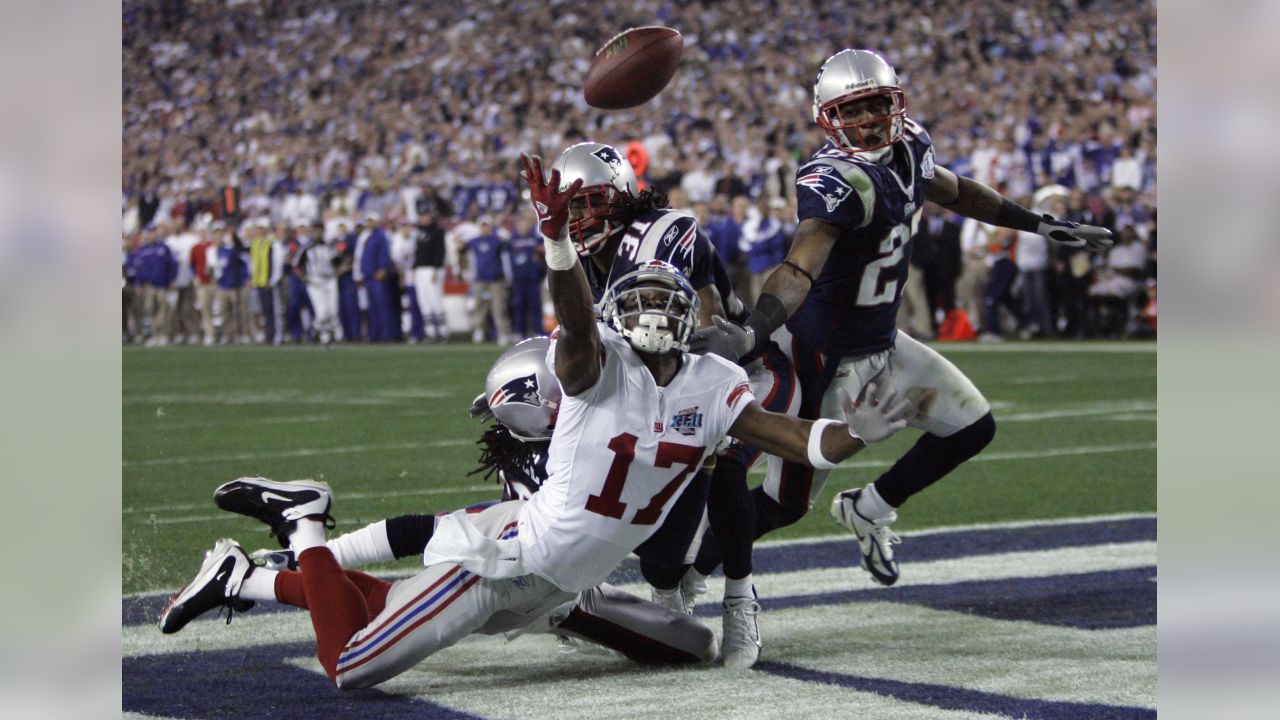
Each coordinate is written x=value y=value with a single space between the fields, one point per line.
x=348 y=293
x=763 y=241
x=317 y=265
x=938 y=243
x=266 y=268
x=297 y=303
x=202 y=260
x=998 y=293
x=231 y=269
x=403 y=246
x=489 y=267
x=1116 y=290
x=156 y=270
x=376 y=270
x=131 y=294
x=429 y=271
x=975 y=242
x=528 y=269
x=185 y=321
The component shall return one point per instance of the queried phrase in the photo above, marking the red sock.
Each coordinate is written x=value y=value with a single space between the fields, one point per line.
x=374 y=591
x=290 y=591
x=337 y=606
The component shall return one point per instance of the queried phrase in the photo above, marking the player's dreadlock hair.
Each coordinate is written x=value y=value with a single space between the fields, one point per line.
x=629 y=207
x=500 y=449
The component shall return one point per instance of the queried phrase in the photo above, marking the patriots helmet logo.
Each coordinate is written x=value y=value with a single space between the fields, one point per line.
x=828 y=184
x=609 y=155
x=522 y=390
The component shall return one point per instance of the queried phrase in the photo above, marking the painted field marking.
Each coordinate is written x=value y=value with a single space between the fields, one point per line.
x=298 y=452
x=1046 y=347
x=999 y=457
x=1002 y=566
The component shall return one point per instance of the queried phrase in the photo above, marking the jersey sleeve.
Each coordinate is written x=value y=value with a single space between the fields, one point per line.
x=736 y=392
x=825 y=193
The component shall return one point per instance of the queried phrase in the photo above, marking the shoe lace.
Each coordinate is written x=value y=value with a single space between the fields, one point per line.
x=742 y=619
x=886 y=538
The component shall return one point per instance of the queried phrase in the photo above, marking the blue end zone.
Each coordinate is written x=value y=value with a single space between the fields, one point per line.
x=841 y=553
x=257 y=684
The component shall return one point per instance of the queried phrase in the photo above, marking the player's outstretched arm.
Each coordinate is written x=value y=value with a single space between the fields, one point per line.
x=578 y=347
x=971 y=198
x=783 y=293
x=825 y=443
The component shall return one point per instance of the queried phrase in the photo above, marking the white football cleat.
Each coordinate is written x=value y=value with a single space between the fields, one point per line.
x=216 y=585
x=740 y=640
x=672 y=599
x=875 y=539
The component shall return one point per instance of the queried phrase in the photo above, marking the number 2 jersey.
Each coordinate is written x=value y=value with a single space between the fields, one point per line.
x=622 y=452
x=852 y=306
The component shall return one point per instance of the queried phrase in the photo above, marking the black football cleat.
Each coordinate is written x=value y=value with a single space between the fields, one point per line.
x=217 y=585
x=278 y=504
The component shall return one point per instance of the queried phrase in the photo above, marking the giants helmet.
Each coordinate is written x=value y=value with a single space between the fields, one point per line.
x=663 y=302
x=607 y=178
x=850 y=76
x=522 y=392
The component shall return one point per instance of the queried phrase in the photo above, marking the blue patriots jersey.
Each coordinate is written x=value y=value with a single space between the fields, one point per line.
x=670 y=235
x=852 y=307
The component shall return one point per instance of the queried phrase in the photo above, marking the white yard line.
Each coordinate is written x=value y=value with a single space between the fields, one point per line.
x=941 y=530
x=253 y=629
x=999 y=457
x=494 y=487
x=1046 y=347
x=298 y=452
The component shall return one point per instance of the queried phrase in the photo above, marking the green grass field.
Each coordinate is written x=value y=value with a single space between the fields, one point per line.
x=387 y=428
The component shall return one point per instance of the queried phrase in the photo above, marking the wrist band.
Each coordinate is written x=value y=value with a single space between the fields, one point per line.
x=816 y=459
x=560 y=254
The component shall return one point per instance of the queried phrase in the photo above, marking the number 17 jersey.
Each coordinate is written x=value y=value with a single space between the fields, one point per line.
x=621 y=454
x=852 y=307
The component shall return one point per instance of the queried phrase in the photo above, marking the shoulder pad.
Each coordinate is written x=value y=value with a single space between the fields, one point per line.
x=835 y=177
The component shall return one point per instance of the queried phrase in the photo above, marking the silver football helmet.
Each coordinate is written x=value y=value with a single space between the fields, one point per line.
x=663 y=303
x=607 y=178
x=521 y=392
x=859 y=104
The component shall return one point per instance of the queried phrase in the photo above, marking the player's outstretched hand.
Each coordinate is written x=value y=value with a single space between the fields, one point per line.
x=723 y=338
x=877 y=417
x=551 y=205
x=1074 y=234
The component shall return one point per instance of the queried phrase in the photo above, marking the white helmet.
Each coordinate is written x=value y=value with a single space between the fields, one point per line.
x=608 y=181
x=851 y=76
x=522 y=392
x=663 y=302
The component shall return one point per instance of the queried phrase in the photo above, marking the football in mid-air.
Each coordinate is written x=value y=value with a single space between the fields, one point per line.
x=633 y=67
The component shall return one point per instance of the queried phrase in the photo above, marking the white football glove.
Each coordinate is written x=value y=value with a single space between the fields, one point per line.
x=878 y=417
x=1072 y=234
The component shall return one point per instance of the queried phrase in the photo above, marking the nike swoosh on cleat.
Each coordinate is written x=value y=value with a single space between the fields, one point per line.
x=268 y=496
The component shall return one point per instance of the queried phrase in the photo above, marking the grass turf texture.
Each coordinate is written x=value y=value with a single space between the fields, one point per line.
x=387 y=428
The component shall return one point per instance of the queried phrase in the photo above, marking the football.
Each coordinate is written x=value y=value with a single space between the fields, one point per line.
x=633 y=67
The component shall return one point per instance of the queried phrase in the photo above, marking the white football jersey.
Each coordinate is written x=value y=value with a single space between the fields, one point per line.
x=621 y=454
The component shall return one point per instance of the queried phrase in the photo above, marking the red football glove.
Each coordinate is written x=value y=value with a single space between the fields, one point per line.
x=551 y=205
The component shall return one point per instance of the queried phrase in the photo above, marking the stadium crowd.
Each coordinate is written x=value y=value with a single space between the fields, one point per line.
x=301 y=173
